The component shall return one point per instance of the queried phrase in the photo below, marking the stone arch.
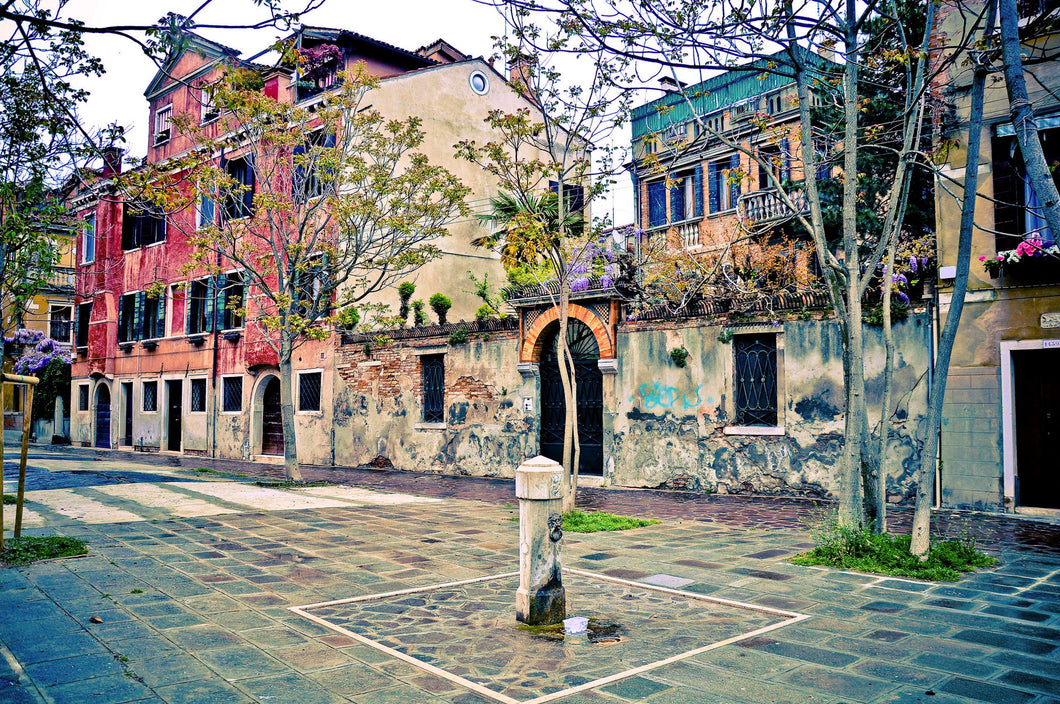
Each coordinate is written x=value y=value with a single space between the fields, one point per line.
x=534 y=339
x=257 y=408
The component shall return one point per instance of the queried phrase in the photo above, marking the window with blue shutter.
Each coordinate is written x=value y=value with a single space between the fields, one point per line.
x=677 y=201
x=734 y=181
x=240 y=202
x=697 y=186
x=714 y=187
x=785 y=158
x=138 y=316
x=207 y=211
x=656 y=203
x=160 y=315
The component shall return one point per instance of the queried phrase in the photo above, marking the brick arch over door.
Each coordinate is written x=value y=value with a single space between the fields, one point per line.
x=533 y=341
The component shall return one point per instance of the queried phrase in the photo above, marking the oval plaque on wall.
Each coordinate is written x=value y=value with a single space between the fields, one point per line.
x=1051 y=320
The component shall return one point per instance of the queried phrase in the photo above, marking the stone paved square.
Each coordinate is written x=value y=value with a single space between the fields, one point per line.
x=467 y=632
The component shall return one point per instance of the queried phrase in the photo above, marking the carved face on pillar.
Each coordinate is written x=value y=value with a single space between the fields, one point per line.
x=555 y=527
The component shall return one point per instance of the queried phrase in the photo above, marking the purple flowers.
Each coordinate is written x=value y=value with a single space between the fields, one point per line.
x=43 y=352
x=606 y=281
x=912 y=265
x=579 y=284
x=900 y=279
x=579 y=268
x=903 y=297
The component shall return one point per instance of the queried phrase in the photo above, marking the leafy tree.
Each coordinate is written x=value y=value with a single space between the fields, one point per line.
x=440 y=304
x=343 y=205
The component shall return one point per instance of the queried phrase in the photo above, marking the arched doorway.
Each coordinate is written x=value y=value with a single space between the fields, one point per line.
x=271 y=419
x=102 y=416
x=590 y=404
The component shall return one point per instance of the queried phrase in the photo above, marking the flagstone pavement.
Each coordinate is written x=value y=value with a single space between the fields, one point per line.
x=184 y=596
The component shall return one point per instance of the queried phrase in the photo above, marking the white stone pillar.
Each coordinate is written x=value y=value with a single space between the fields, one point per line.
x=540 y=599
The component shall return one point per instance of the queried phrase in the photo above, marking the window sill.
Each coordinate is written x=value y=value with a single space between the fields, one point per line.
x=720 y=213
x=430 y=426
x=161 y=142
x=149 y=344
x=196 y=338
x=210 y=120
x=154 y=244
x=232 y=335
x=310 y=413
x=753 y=430
x=126 y=347
x=232 y=413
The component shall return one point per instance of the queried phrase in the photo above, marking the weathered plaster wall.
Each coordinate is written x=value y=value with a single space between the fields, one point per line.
x=379 y=408
x=665 y=426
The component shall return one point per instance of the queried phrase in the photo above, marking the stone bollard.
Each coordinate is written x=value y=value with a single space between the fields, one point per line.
x=540 y=600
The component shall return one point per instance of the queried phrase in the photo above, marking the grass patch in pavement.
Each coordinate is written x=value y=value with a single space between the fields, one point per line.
x=24 y=550
x=10 y=500
x=581 y=522
x=865 y=551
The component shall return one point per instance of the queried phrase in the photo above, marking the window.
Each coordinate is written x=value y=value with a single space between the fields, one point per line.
x=16 y=398
x=479 y=83
x=311 y=178
x=1017 y=210
x=309 y=290
x=84 y=316
x=210 y=111
x=715 y=123
x=656 y=203
x=60 y=326
x=686 y=195
x=232 y=394
x=199 y=305
x=776 y=162
x=82 y=397
x=239 y=203
x=128 y=316
x=154 y=317
x=88 y=240
x=774 y=104
x=724 y=187
x=141 y=227
x=309 y=391
x=206 y=213
x=231 y=300
x=433 y=388
x=573 y=204
x=150 y=396
x=756 y=379
x=198 y=396
x=163 y=128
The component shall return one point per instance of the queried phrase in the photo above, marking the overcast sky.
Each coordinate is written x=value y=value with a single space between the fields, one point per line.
x=409 y=24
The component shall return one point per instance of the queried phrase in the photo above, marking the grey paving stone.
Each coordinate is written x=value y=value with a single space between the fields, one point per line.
x=668 y=580
x=71 y=669
x=240 y=662
x=960 y=666
x=172 y=669
x=799 y=652
x=56 y=648
x=841 y=684
x=112 y=689
x=289 y=688
x=985 y=692
x=1027 y=680
x=202 y=637
x=635 y=688
x=1006 y=642
x=211 y=691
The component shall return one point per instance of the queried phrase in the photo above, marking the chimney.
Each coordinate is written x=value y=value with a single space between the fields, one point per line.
x=520 y=73
x=112 y=161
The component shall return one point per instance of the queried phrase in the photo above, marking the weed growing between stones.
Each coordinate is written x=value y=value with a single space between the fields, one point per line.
x=24 y=550
x=864 y=551
x=10 y=500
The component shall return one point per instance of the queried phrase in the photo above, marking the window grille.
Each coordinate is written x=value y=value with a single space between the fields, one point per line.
x=433 y=388
x=756 y=379
x=198 y=395
x=150 y=396
x=232 y=388
x=309 y=391
x=82 y=397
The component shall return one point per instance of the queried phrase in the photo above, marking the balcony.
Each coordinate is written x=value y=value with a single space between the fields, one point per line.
x=767 y=207
x=61 y=278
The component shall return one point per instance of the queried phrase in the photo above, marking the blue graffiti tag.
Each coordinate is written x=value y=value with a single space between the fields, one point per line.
x=658 y=396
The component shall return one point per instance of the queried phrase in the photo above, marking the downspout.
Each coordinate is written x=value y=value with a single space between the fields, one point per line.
x=213 y=369
x=936 y=325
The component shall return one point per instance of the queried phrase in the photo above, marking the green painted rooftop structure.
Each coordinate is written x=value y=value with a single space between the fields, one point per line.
x=720 y=92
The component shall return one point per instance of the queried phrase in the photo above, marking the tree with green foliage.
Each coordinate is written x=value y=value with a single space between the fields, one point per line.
x=344 y=205
x=440 y=304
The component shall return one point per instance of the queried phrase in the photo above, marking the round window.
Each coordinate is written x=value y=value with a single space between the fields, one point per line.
x=479 y=83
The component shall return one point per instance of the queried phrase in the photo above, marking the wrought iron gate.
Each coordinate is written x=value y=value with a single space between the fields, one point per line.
x=589 y=400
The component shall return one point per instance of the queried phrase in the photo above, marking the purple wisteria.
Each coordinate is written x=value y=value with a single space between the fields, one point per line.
x=36 y=351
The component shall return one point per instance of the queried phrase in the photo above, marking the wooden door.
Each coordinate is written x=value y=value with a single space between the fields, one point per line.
x=271 y=421
x=103 y=417
x=1036 y=382
x=175 y=391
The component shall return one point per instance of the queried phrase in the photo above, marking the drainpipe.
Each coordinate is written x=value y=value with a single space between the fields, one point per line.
x=936 y=324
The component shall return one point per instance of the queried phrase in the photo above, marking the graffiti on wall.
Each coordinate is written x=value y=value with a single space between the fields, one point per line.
x=669 y=397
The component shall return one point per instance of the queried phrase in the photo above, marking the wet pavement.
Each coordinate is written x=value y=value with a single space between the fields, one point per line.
x=185 y=596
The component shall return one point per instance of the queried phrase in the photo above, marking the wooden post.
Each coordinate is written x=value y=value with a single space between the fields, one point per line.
x=27 y=415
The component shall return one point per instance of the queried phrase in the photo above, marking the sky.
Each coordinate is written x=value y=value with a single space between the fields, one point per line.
x=409 y=24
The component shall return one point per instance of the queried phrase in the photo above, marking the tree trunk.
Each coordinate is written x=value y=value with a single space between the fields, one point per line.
x=570 y=416
x=925 y=494
x=879 y=525
x=1022 y=113
x=290 y=440
x=850 y=505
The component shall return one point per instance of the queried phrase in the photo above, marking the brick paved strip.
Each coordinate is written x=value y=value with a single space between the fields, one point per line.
x=985 y=692
x=799 y=652
x=1027 y=680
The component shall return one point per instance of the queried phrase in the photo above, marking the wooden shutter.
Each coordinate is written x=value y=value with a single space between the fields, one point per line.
x=785 y=160
x=714 y=197
x=248 y=180
x=138 y=316
x=121 y=309
x=208 y=306
x=221 y=289
x=160 y=319
x=677 y=202
x=697 y=187
x=1008 y=194
x=734 y=183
